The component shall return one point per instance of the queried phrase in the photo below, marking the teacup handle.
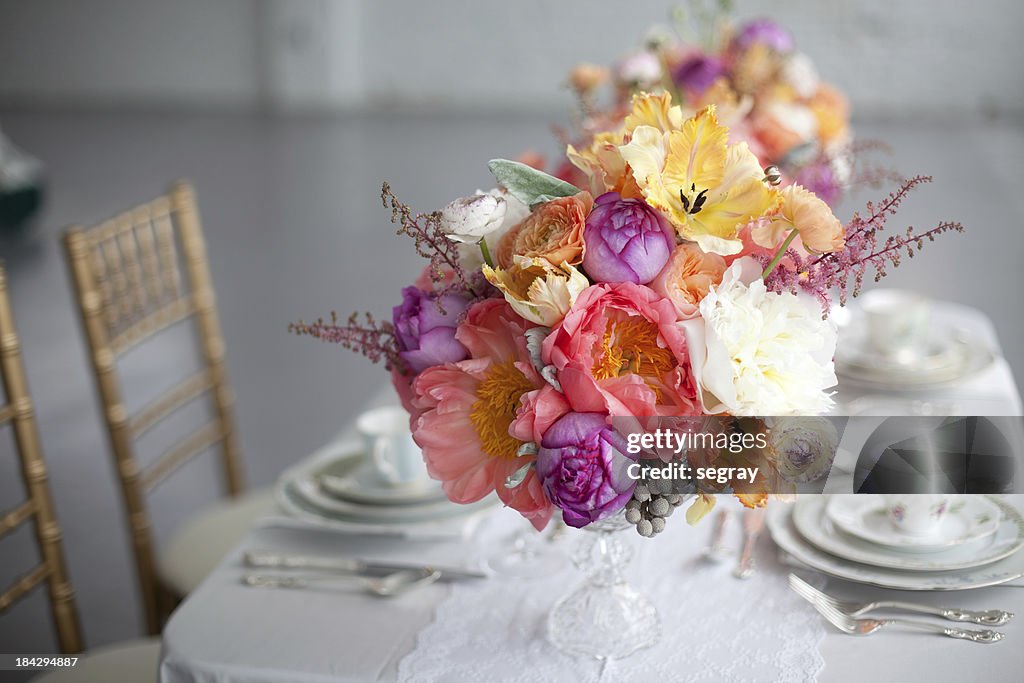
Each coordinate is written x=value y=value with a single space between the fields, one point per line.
x=382 y=454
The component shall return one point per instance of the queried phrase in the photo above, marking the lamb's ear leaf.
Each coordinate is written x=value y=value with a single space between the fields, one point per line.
x=529 y=185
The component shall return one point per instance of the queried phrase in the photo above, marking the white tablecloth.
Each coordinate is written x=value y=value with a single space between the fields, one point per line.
x=228 y=633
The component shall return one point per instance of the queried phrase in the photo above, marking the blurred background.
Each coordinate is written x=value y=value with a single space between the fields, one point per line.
x=288 y=114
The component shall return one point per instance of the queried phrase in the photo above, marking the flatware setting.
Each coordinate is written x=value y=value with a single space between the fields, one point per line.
x=994 y=617
x=262 y=559
x=389 y=586
x=865 y=626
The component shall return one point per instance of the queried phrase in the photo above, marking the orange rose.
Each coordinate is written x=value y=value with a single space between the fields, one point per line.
x=687 y=277
x=554 y=231
x=804 y=211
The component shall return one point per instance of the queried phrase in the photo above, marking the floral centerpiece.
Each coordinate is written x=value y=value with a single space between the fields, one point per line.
x=678 y=280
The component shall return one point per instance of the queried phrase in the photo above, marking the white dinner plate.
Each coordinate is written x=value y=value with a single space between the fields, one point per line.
x=969 y=519
x=814 y=525
x=308 y=490
x=447 y=528
x=784 y=533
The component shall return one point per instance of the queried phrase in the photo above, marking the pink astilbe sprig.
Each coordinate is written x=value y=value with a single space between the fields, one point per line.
x=372 y=338
x=820 y=274
x=431 y=243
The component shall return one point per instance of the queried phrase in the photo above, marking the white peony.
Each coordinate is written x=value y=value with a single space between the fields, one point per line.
x=767 y=353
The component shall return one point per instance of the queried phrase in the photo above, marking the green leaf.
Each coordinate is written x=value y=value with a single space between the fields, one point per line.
x=529 y=185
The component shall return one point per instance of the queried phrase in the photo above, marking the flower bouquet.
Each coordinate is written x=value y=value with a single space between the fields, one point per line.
x=766 y=92
x=553 y=322
x=677 y=284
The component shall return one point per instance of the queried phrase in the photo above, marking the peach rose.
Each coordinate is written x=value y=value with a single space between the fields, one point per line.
x=554 y=231
x=818 y=228
x=687 y=277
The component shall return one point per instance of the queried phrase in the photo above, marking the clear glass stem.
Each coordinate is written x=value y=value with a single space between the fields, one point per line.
x=604 y=617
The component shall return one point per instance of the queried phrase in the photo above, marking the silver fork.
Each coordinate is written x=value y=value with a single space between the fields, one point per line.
x=992 y=617
x=865 y=627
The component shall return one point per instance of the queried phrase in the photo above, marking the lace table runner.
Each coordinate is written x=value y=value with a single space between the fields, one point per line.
x=714 y=627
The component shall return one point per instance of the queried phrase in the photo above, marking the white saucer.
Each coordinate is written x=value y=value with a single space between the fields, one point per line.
x=352 y=478
x=815 y=526
x=784 y=533
x=969 y=518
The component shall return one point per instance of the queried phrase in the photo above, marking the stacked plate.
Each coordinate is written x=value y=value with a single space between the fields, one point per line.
x=849 y=536
x=947 y=356
x=338 y=488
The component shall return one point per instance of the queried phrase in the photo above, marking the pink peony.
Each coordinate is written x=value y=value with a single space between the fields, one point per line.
x=468 y=407
x=619 y=351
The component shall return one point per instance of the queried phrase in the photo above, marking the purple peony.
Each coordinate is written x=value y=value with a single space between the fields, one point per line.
x=582 y=468
x=698 y=72
x=626 y=240
x=426 y=335
x=764 y=32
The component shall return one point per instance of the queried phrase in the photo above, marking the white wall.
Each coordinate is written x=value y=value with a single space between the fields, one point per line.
x=895 y=58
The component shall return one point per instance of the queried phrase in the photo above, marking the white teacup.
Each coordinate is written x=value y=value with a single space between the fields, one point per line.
x=917 y=514
x=897 y=322
x=394 y=456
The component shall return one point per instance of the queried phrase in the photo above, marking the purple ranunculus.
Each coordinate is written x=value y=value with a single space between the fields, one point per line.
x=582 y=468
x=626 y=240
x=765 y=32
x=426 y=334
x=698 y=72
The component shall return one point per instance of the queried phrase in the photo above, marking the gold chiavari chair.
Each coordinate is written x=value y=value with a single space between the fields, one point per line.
x=130 y=286
x=131 y=662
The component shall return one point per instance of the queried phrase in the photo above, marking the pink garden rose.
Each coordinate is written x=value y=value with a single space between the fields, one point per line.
x=619 y=351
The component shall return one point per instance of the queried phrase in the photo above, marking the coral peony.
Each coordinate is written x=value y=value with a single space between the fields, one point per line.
x=619 y=351
x=467 y=408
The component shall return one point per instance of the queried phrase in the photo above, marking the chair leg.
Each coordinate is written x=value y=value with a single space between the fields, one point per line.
x=167 y=601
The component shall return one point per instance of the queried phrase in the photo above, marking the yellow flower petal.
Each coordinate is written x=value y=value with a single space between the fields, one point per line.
x=655 y=111
x=702 y=505
x=697 y=153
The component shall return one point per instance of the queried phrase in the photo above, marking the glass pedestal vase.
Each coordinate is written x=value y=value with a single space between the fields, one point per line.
x=604 y=617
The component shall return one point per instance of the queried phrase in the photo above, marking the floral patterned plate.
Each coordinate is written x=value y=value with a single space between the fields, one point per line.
x=784 y=533
x=969 y=518
x=815 y=526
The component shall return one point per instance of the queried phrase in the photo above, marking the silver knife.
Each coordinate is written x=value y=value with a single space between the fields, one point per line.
x=350 y=565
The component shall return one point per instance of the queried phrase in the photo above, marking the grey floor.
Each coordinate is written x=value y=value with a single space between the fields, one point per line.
x=295 y=228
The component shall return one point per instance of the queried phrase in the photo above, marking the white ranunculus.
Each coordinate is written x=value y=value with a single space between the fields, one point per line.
x=767 y=353
x=515 y=211
x=468 y=219
x=799 y=72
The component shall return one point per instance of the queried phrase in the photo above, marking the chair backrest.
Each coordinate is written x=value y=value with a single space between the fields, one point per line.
x=131 y=283
x=39 y=506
